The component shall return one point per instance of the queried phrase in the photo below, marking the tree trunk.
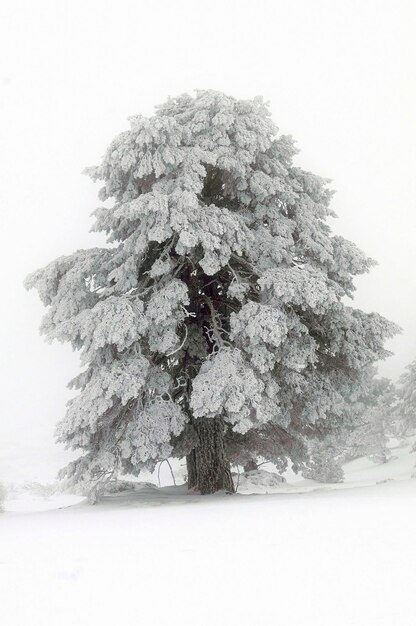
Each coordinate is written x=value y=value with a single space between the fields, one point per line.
x=208 y=469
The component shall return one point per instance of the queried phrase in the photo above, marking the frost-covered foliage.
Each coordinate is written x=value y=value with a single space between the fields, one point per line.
x=221 y=295
x=324 y=462
x=368 y=423
x=406 y=408
x=371 y=421
x=3 y=494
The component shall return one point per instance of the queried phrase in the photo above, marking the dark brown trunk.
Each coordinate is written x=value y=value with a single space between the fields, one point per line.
x=208 y=469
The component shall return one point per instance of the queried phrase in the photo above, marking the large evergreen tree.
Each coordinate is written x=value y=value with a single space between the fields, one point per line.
x=213 y=324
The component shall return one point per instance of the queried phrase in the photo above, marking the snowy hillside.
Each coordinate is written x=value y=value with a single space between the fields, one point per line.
x=160 y=556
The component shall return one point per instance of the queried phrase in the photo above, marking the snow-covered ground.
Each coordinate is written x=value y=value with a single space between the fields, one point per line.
x=305 y=554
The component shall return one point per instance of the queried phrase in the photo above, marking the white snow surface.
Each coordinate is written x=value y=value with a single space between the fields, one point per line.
x=303 y=553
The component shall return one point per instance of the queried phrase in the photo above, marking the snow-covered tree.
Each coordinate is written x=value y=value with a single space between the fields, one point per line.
x=368 y=422
x=324 y=460
x=371 y=421
x=406 y=408
x=2 y=496
x=212 y=325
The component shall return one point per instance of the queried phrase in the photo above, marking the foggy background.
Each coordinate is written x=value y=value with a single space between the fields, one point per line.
x=339 y=76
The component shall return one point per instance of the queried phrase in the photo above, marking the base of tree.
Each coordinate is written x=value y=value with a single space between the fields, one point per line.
x=208 y=469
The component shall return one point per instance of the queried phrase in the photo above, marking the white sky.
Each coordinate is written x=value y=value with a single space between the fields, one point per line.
x=340 y=77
